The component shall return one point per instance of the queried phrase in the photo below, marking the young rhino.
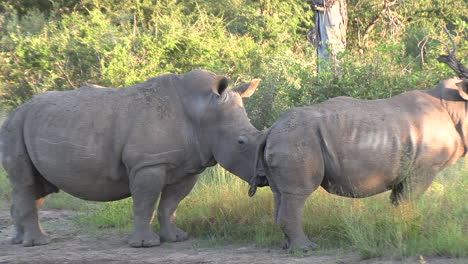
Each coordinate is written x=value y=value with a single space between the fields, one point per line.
x=358 y=148
x=106 y=144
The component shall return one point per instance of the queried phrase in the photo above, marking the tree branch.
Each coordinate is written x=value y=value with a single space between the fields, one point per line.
x=451 y=60
x=65 y=75
x=376 y=19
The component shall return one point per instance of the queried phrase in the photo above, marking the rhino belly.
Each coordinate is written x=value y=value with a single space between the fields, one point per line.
x=81 y=168
x=346 y=186
x=358 y=178
x=363 y=162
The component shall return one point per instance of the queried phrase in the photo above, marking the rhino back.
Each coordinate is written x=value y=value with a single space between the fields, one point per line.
x=368 y=145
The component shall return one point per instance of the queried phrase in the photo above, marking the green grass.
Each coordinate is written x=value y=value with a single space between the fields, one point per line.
x=63 y=200
x=4 y=187
x=5 y=192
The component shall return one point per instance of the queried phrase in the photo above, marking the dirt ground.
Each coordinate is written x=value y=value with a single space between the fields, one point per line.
x=73 y=245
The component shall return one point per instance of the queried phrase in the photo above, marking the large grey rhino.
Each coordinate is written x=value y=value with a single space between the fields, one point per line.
x=105 y=144
x=358 y=148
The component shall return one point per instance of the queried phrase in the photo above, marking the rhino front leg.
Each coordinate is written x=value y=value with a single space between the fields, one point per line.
x=171 y=196
x=145 y=187
x=291 y=210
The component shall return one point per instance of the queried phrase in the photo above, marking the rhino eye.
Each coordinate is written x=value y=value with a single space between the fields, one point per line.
x=241 y=140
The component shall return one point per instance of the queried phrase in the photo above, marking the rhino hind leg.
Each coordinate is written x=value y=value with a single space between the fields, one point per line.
x=171 y=196
x=291 y=210
x=18 y=236
x=28 y=195
x=411 y=188
x=145 y=187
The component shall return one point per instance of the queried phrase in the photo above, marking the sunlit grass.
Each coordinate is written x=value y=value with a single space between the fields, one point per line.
x=5 y=191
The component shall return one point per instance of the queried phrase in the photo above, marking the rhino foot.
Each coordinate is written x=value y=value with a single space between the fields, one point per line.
x=146 y=240
x=299 y=246
x=177 y=236
x=36 y=240
x=17 y=238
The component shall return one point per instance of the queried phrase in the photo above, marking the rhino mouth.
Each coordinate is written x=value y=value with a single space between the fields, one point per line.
x=261 y=180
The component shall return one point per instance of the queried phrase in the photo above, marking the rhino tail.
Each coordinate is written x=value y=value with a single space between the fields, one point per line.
x=3 y=138
x=259 y=154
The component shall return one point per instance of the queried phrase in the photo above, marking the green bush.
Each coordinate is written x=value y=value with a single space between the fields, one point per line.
x=114 y=44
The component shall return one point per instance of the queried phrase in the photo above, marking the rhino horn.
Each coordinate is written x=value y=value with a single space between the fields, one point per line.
x=247 y=89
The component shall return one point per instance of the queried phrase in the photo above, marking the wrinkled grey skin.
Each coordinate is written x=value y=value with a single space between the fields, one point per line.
x=359 y=148
x=106 y=144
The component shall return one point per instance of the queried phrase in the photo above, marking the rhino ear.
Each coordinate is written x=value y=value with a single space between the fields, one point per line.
x=247 y=89
x=221 y=85
x=463 y=89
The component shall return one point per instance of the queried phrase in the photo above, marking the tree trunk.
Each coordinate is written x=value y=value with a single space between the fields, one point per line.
x=329 y=33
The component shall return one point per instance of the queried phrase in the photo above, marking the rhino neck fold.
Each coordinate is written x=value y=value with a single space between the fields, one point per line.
x=193 y=106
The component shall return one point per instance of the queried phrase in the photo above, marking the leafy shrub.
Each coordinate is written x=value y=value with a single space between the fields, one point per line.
x=116 y=44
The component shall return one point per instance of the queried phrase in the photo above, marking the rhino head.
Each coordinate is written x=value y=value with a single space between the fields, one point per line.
x=453 y=94
x=223 y=129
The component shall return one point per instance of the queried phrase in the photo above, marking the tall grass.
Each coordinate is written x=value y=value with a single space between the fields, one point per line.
x=5 y=191
x=218 y=209
x=4 y=187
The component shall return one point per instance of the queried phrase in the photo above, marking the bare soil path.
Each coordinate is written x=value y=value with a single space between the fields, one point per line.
x=73 y=245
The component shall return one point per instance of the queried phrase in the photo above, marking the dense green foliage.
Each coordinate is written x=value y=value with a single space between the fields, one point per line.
x=60 y=45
